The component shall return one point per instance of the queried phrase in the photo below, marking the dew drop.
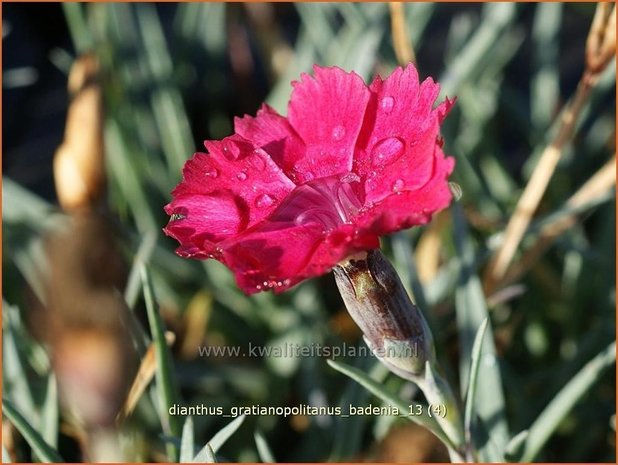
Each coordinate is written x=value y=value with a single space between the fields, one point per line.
x=387 y=104
x=338 y=132
x=264 y=201
x=231 y=151
x=387 y=151
x=258 y=161
x=242 y=176
x=398 y=185
x=212 y=173
x=455 y=190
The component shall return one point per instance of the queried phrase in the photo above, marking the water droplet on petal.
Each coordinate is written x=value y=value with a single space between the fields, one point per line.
x=455 y=190
x=231 y=150
x=258 y=161
x=264 y=201
x=212 y=173
x=242 y=176
x=387 y=104
x=398 y=185
x=387 y=151
x=338 y=132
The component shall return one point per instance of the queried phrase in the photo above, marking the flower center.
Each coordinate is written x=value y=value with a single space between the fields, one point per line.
x=329 y=202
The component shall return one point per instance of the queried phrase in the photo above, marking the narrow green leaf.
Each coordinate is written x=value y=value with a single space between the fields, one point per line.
x=545 y=79
x=43 y=450
x=167 y=105
x=6 y=458
x=144 y=252
x=49 y=413
x=225 y=433
x=206 y=455
x=471 y=312
x=376 y=389
x=474 y=371
x=187 y=451
x=266 y=455
x=547 y=422
x=78 y=26
x=496 y=18
x=164 y=375
x=515 y=446
x=349 y=432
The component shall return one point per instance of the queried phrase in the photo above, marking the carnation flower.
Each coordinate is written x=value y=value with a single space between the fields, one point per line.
x=287 y=198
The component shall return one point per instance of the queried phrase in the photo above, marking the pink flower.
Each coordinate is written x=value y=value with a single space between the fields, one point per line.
x=284 y=199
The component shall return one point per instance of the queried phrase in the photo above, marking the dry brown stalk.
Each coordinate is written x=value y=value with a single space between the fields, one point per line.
x=428 y=250
x=144 y=375
x=401 y=39
x=601 y=37
x=79 y=168
x=598 y=185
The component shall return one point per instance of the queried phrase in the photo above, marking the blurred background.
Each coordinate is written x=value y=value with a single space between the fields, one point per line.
x=170 y=76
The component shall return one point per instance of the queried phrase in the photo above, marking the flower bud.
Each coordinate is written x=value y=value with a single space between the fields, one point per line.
x=393 y=327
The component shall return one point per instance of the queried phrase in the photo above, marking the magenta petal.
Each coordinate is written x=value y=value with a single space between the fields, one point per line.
x=278 y=259
x=235 y=167
x=273 y=133
x=399 y=134
x=327 y=113
x=405 y=209
x=285 y=199
x=201 y=221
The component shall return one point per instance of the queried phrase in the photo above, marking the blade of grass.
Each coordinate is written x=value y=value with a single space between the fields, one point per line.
x=167 y=106
x=496 y=19
x=225 y=433
x=78 y=26
x=266 y=455
x=471 y=312
x=125 y=174
x=545 y=81
x=547 y=422
x=474 y=371
x=14 y=370
x=515 y=446
x=187 y=451
x=166 y=384
x=6 y=457
x=49 y=413
x=41 y=448
x=143 y=255
x=207 y=454
x=348 y=432
x=379 y=391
